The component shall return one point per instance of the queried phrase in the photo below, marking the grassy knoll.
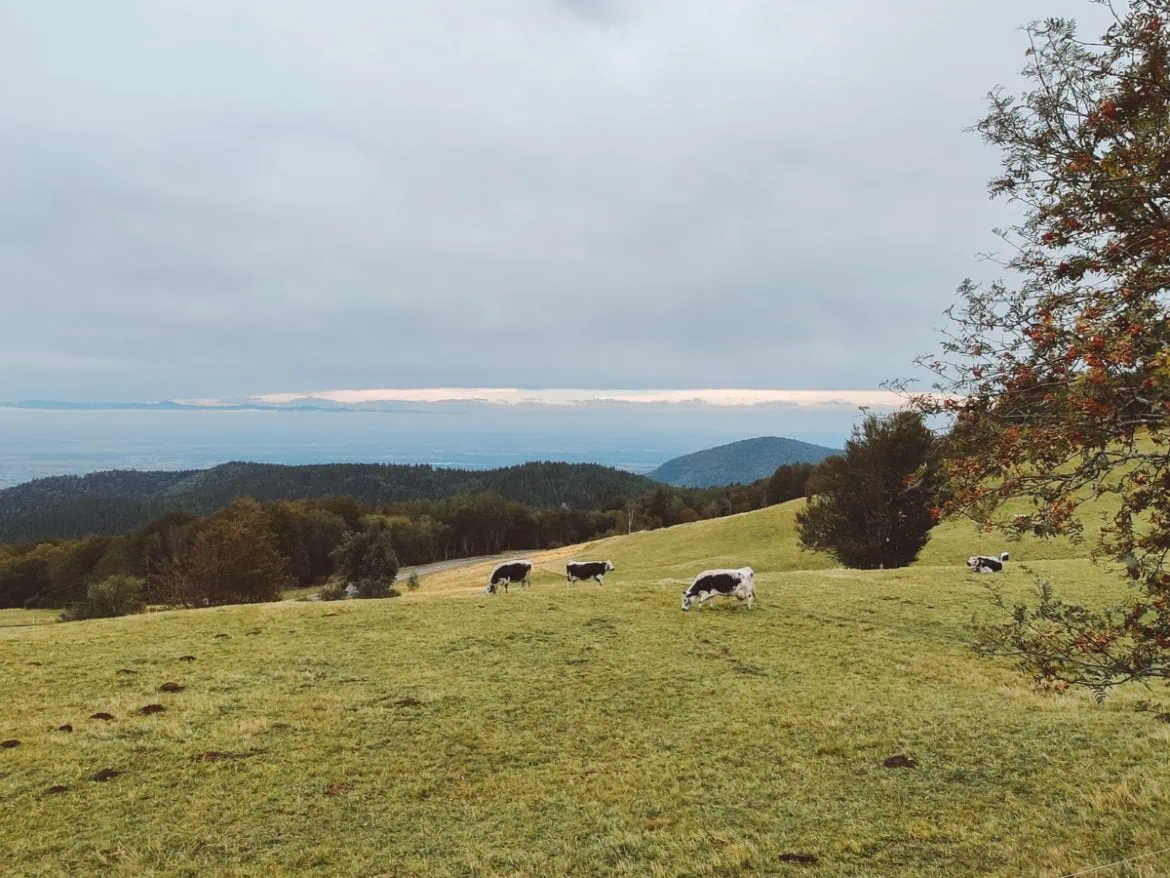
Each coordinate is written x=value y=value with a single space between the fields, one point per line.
x=579 y=731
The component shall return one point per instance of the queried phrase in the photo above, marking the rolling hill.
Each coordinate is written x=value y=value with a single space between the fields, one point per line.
x=581 y=730
x=738 y=463
x=116 y=501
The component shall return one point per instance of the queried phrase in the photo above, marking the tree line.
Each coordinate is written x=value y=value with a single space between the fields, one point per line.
x=253 y=551
x=68 y=507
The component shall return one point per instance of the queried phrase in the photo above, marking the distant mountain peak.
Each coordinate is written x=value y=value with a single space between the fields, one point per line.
x=739 y=462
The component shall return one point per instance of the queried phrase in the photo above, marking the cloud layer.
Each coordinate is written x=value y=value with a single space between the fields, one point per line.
x=229 y=197
x=851 y=399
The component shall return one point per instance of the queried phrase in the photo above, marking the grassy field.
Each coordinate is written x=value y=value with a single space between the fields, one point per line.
x=581 y=731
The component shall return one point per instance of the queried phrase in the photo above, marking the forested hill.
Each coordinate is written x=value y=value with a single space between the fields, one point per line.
x=117 y=501
x=739 y=463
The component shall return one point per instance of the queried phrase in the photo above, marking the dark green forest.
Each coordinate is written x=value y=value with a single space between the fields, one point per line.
x=69 y=507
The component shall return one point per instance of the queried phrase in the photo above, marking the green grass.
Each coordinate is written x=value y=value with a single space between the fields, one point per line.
x=580 y=731
x=24 y=618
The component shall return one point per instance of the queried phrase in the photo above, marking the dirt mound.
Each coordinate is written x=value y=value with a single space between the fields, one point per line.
x=800 y=859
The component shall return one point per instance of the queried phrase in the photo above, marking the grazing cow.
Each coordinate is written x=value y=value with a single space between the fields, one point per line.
x=741 y=583
x=582 y=570
x=986 y=564
x=509 y=572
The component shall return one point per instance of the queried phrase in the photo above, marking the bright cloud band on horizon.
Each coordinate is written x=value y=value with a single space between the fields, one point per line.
x=566 y=396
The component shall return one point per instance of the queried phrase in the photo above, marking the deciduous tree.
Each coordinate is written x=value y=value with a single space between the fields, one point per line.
x=232 y=560
x=1059 y=381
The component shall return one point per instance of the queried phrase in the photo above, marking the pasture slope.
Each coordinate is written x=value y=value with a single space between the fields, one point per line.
x=580 y=731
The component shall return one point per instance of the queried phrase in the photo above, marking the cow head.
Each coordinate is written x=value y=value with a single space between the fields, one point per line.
x=609 y=565
x=491 y=589
x=973 y=561
x=687 y=600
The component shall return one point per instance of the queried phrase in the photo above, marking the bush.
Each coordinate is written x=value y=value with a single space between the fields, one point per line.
x=374 y=588
x=412 y=583
x=873 y=507
x=367 y=557
x=114 y=596
x=333 y=591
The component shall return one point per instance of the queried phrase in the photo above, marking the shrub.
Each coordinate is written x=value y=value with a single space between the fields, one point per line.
x=874 y=505
x=117 y=595
x=412 y=583
x=374 y=588
x=333 y=591
x=367 y=556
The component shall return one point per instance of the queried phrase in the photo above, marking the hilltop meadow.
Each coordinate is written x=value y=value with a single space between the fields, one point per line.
x=585 y=730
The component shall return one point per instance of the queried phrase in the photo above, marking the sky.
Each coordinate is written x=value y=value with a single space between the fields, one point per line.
x=238 y=198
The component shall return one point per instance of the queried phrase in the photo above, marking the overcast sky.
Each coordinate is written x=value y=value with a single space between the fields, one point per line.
x=235 y=197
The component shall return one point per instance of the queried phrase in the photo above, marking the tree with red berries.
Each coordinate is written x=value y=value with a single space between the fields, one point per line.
x=1059 y=384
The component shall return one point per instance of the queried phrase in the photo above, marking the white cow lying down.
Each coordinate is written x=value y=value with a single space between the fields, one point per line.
x=986 y=564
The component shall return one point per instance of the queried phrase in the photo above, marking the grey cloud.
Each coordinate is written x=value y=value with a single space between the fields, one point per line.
x=226 y=197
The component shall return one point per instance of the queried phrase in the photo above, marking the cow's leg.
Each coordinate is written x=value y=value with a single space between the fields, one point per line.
x=751 y=599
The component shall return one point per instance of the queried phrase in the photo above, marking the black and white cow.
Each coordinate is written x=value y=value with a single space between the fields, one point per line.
x=986 y=564
x=508 y=573
x=740 y=583
x=582 y=570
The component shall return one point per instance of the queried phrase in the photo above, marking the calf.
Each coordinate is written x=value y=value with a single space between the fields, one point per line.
x=741 y=583
x=582 y=570
x=986 y=564
x=509 y=572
